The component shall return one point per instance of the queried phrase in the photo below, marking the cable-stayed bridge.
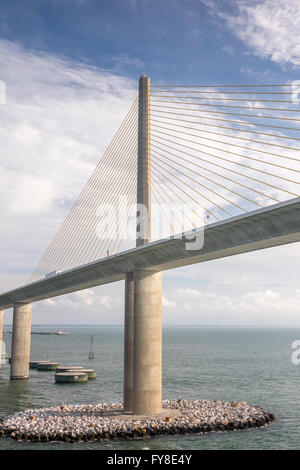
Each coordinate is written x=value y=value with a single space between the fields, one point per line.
x=194 y=173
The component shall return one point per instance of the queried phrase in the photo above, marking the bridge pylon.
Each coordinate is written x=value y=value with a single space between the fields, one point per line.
x=143 y=291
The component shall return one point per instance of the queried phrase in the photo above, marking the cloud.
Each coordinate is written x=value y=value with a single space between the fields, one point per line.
x=122 y=61
x=85 y=297
x=25 y=200
x=100 y=305
x=167 y=303
x=253 y=307
x=105 y=300
x=189 y=292
x=271 y=28
x=59 y=117
x=229 y=49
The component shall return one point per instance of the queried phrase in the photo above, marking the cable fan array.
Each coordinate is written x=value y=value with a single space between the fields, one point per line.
x=226 y=149
x=96 y=225
x=219 y=151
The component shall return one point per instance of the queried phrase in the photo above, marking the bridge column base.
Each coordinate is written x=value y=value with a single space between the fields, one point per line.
x=128 y=342
x=1 y=334
x=147 y=398
x=20 y=348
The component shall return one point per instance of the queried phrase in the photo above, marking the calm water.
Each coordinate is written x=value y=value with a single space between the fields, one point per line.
x=252 y=364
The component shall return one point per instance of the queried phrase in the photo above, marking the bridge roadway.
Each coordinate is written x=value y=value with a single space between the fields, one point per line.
x=274 y=225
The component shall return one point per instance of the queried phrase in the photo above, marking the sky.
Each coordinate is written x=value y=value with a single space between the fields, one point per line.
x=71 y=69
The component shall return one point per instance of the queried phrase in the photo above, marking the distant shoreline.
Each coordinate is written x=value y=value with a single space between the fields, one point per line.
x=59 y=333
x=192 y=325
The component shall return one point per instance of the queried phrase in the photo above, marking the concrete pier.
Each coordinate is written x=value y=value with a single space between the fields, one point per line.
x=20 y=349
x=1 y=333
x=128 y=343
x=147 y=343
x=142 y=336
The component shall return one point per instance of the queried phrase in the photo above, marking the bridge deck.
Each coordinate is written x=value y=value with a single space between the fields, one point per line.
x=272 y=226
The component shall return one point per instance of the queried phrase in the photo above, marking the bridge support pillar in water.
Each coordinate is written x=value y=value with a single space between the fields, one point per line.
x=1 y=333
x=20 y=348
x=128 y=342
x=143 y=296
x=147 y=395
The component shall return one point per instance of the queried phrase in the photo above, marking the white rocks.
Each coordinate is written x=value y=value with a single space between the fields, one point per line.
x=88 y=422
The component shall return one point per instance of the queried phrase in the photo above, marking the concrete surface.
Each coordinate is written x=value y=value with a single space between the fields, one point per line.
x=147 y=397
x=20 y=348
x=128 y=343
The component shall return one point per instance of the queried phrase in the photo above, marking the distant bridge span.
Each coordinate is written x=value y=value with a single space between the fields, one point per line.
x=275 y=225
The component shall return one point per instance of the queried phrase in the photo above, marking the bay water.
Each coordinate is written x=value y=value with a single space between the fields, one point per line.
x=199 y=362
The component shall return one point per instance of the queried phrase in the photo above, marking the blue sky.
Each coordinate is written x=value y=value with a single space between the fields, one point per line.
x=186 y=41
x=71 y=68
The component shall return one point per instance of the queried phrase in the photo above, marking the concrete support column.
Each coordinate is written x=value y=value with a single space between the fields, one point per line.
x=143 y=228
x=128 y=343
x=1 y=333
x=143 y=292
x=147 y=342
x=20 y=349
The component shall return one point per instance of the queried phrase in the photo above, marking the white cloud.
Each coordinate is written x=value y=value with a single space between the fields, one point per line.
x=105 y=300
x=270 y=27
x=31 y=194
x=124 y=60
x=86 y=297
x=189 y=292
x=253 y=307
x=167 y=303
x=59 y=302
x=80 y=298
x=58 y=119
x=100 y=305
x=49 y=302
